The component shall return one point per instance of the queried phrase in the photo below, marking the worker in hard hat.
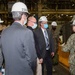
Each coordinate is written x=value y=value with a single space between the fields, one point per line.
x=56 y=40
x=1 y=21
x=54 y=25
x=18 y=44
x=1 y=56
x=46 y=45
x=70 y=47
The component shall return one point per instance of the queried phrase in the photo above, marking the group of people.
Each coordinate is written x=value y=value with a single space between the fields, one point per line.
x=22 y=45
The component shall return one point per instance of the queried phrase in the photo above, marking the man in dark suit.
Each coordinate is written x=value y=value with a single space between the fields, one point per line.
x=31 y=24
x=46 y=45
x=18 y=44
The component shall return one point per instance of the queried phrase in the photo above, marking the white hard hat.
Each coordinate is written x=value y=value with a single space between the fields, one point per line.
x=19 y=6
x=1 y=21
x=73 y=22
x=43 y=18
x=53 y=23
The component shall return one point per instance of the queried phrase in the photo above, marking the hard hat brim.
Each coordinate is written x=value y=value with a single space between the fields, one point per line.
x=1 y=21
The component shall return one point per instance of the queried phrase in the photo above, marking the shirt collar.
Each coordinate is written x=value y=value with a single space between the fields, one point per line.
x=43 y=30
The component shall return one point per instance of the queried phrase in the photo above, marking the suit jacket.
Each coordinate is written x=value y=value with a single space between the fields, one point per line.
x=1 y=55
x=34 y=67
x=35 y=39
x=41 y=51
x=18 y=49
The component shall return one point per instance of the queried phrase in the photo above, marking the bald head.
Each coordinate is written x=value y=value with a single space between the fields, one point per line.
x=32 y=18
x=31 y=21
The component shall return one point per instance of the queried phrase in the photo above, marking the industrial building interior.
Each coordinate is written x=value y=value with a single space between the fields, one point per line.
x=61 y=11
x=58 y=10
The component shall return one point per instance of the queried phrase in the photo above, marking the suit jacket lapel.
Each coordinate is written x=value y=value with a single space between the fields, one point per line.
x=42 y=36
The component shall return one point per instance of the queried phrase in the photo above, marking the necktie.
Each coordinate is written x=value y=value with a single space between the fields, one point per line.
x=46 y=39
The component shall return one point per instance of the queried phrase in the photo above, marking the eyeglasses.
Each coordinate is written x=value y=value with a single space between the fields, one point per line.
x=44 y=22
x=26 y=14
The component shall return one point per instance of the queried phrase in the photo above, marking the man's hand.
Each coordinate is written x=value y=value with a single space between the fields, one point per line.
x=0 y=73
x=52 y=54
x=40 y=61
x=62 y=44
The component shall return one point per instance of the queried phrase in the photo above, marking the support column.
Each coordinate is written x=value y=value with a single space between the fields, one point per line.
x=39 y=8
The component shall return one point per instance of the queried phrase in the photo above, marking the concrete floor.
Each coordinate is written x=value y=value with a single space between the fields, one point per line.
x=60 y=70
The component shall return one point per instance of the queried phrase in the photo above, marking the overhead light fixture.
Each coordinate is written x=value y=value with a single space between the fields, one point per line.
x=71 y=16
x=48 y=14
x=61 y=14
x=72 y=4
x=66 y=15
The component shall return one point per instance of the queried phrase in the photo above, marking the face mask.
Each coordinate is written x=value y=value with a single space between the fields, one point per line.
x=34 y=26
x=45 y=25
x=54 y=28
x=25 y=21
